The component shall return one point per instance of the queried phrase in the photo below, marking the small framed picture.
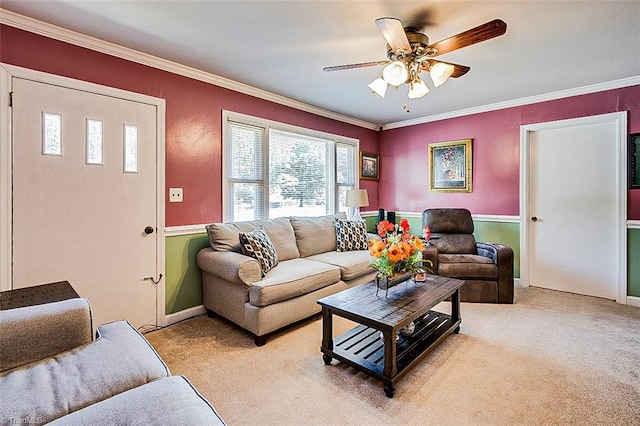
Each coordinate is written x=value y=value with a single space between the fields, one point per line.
x=450 y=166
x=634 y=161
x=369 y=165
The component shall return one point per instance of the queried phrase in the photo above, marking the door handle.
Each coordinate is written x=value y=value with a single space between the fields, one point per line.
x=148 y=230
x=534 y=219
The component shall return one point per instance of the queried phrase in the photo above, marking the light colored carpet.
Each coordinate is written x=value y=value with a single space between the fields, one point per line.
x=552 y=358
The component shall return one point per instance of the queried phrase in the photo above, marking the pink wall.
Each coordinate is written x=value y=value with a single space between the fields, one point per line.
x=496 y=153
x=193 y=115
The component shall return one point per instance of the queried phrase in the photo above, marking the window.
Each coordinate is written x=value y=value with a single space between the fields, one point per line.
x=273 y=170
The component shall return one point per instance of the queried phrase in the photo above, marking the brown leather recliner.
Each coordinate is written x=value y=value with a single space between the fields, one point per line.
x=487 y=268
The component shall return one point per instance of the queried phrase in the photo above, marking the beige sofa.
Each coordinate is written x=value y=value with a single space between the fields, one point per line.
x=308 y=268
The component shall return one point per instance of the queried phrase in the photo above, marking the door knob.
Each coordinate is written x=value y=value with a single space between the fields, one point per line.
x=534 y=219
x=148 y=230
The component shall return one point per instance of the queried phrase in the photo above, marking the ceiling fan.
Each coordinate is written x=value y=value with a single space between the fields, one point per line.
x=409 y=53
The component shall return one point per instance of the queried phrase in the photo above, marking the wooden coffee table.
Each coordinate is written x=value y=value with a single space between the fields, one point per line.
x=389 y=358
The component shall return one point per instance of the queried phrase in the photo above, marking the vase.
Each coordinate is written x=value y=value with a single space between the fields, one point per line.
x=385 y=282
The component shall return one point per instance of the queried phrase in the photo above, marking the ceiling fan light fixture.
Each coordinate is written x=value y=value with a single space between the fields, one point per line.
x=379 y=86
x=395 y=73
x=440 y=73
x=417 y=89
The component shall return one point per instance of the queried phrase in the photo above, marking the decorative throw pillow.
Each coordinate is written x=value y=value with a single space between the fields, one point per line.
x=258 y=245
x=351 y=235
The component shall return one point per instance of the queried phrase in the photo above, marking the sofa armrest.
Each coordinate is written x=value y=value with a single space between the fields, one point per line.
x=502 y=256
x=230 y=266
x=430 y=253
x=35 y=332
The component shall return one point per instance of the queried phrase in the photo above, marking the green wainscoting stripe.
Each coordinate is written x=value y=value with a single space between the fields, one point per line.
x=183 y=282
x=507 y=233
x=633 y=277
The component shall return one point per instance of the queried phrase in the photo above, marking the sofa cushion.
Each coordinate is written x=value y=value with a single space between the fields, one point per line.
x=226 y=236
x=170 y=401
x=352 y=264
x=315 y=235
x=351 y=235
x=118 y=360
x=292 y=278
x=258 y=245
x=467 y=266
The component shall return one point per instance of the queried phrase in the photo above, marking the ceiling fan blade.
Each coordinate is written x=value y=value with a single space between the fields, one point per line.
x=475 y=35
x=458 y=70
x=393 y=32
x=350 y=66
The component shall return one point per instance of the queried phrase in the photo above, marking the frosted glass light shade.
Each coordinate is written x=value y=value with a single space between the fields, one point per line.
x=379 y=86
x=440 y=73
x=417 y=89
x=395 y=73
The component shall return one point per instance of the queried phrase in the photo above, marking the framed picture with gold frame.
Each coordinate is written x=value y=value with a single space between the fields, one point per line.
x=369 y=165
x=450 y=166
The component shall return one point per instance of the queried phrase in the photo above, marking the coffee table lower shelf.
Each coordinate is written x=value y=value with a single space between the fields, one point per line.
x=363 y=348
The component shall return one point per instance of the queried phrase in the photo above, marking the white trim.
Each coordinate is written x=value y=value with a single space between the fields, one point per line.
x=7 y=72
x=633 y=301
x=88 y=42
x=583 y=90
x=6 y=208
x=183 y=315
x=174 y=231
x=620 y=121
x=633 y=224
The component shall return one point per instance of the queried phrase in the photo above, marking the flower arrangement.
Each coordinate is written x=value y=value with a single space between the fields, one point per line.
x=398 y=250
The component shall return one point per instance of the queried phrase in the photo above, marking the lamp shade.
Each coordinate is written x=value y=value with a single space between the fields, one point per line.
x=395 y=73
x=440 y=73
x=379 y=86
x=357 y=198
x=417 y=89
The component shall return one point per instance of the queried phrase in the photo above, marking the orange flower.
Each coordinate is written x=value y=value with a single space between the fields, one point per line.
x=404 y=224
x=419 y=245
x=407 y=249
x=395 y=253
x=376 y=247
x=384 y=227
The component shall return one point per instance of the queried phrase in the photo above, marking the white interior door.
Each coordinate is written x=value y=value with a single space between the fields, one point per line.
x=84 y=190
x=574 y=208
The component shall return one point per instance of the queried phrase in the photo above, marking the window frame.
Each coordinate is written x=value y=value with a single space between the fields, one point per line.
x=333 y=204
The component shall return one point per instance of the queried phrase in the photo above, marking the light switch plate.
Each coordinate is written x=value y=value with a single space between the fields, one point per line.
x=175 y=195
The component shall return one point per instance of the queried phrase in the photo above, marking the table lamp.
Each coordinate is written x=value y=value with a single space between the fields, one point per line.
x=357 y=198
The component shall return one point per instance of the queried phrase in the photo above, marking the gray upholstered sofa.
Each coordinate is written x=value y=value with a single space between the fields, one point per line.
x=51 y=370
x=309 y=267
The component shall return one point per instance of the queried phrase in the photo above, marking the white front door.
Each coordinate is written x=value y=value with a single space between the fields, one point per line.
x=84 y=192
x=575 y=207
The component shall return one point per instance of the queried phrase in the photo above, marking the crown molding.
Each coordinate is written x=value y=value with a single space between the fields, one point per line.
x=583 y=90
x=62 y=34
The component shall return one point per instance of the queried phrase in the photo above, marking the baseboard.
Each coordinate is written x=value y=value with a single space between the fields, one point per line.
x=518 y=283
x=633 y=301
x=183 y=315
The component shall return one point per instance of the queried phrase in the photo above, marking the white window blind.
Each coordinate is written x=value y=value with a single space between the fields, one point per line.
x=275 y=170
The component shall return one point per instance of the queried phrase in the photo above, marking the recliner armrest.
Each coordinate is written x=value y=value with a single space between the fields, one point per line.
x=430 y=253
x=502 y=256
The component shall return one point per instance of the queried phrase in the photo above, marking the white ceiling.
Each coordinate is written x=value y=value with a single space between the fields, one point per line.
x=282 y=46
